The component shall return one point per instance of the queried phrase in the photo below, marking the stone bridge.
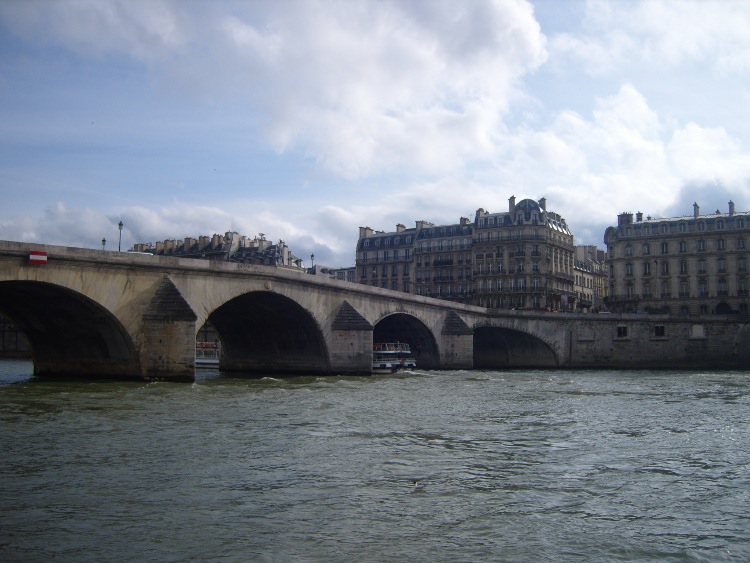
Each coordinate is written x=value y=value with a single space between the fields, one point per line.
x=127 y=315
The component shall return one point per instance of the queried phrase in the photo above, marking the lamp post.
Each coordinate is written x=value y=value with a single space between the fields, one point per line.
x=104 y=243
x=312 y=262
x=119 y=244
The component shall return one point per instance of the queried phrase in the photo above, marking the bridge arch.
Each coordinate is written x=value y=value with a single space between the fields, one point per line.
x=70 y=334
x=265 y=332
x=403 y=327
x=500 y=347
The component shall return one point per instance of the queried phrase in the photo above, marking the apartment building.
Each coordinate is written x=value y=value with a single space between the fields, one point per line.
x=523 y=258
x=442 y=260
x=682 y=265
x=591 y=283
x=520 y=258
x=386 y=259
x=229 y=247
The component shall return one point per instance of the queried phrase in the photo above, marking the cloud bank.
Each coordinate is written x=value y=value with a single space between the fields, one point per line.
x=305 y=119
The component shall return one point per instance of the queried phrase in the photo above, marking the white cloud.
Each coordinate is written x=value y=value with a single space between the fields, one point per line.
x=706 y=155
x=380 y=112
x=361 y=87
x=659 y=32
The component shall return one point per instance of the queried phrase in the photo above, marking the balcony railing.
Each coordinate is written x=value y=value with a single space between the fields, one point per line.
x=622 y=297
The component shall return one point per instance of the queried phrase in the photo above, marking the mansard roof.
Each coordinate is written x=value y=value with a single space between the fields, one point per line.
x=390 y=239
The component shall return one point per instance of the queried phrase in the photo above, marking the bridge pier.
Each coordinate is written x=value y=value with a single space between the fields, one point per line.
x=168 y=351
x=350 y=344
x=456 y=343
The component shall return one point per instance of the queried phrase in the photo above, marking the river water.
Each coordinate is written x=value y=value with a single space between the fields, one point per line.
x=513 y=466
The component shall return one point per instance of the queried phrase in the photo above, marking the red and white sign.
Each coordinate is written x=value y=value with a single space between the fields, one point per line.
x=37 y=257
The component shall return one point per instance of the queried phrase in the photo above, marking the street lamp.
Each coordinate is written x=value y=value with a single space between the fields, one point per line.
x=312 y=262
x=119 y=244
x=104 y=243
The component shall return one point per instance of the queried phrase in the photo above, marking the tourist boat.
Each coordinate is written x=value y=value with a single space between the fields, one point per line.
x=391 y=357
x=207 y=354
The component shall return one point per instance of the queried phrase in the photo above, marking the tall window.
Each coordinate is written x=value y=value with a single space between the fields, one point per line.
x=665 y=248
x=742 y=286
x=684 y=289
x=723 y=289
x=702 y=288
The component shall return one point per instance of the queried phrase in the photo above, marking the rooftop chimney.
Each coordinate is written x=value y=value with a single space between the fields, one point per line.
x=512 y=204
x=543 y=204
x=696 y=210
x=639 y=216
x=731 y=208
x=400 y=228
x=624 y=218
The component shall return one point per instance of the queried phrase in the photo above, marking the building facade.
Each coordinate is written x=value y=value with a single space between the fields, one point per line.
x=683 y=265
x=229 y=247
x=520 y=258
x=442 y=261
x=386 y=259
x=591 y=283
x=523 y=258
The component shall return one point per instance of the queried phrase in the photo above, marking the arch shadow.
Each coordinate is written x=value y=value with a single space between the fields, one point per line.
x=402 y=327
x=497 y=347
x=266 y=333
x=70 y=334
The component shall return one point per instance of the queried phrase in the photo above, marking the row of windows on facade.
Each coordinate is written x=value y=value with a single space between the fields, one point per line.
x=513 y=302
x=683 y=227
x=458 y=244
x=700 y=246
x=448 y=290
x=448 y=260
x=702 y=264
x=703 y=286
x=466 y=271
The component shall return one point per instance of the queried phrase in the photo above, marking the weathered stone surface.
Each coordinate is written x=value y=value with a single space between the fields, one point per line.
x=347 y=318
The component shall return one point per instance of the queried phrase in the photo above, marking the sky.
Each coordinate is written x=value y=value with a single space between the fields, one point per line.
x=305 y=120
